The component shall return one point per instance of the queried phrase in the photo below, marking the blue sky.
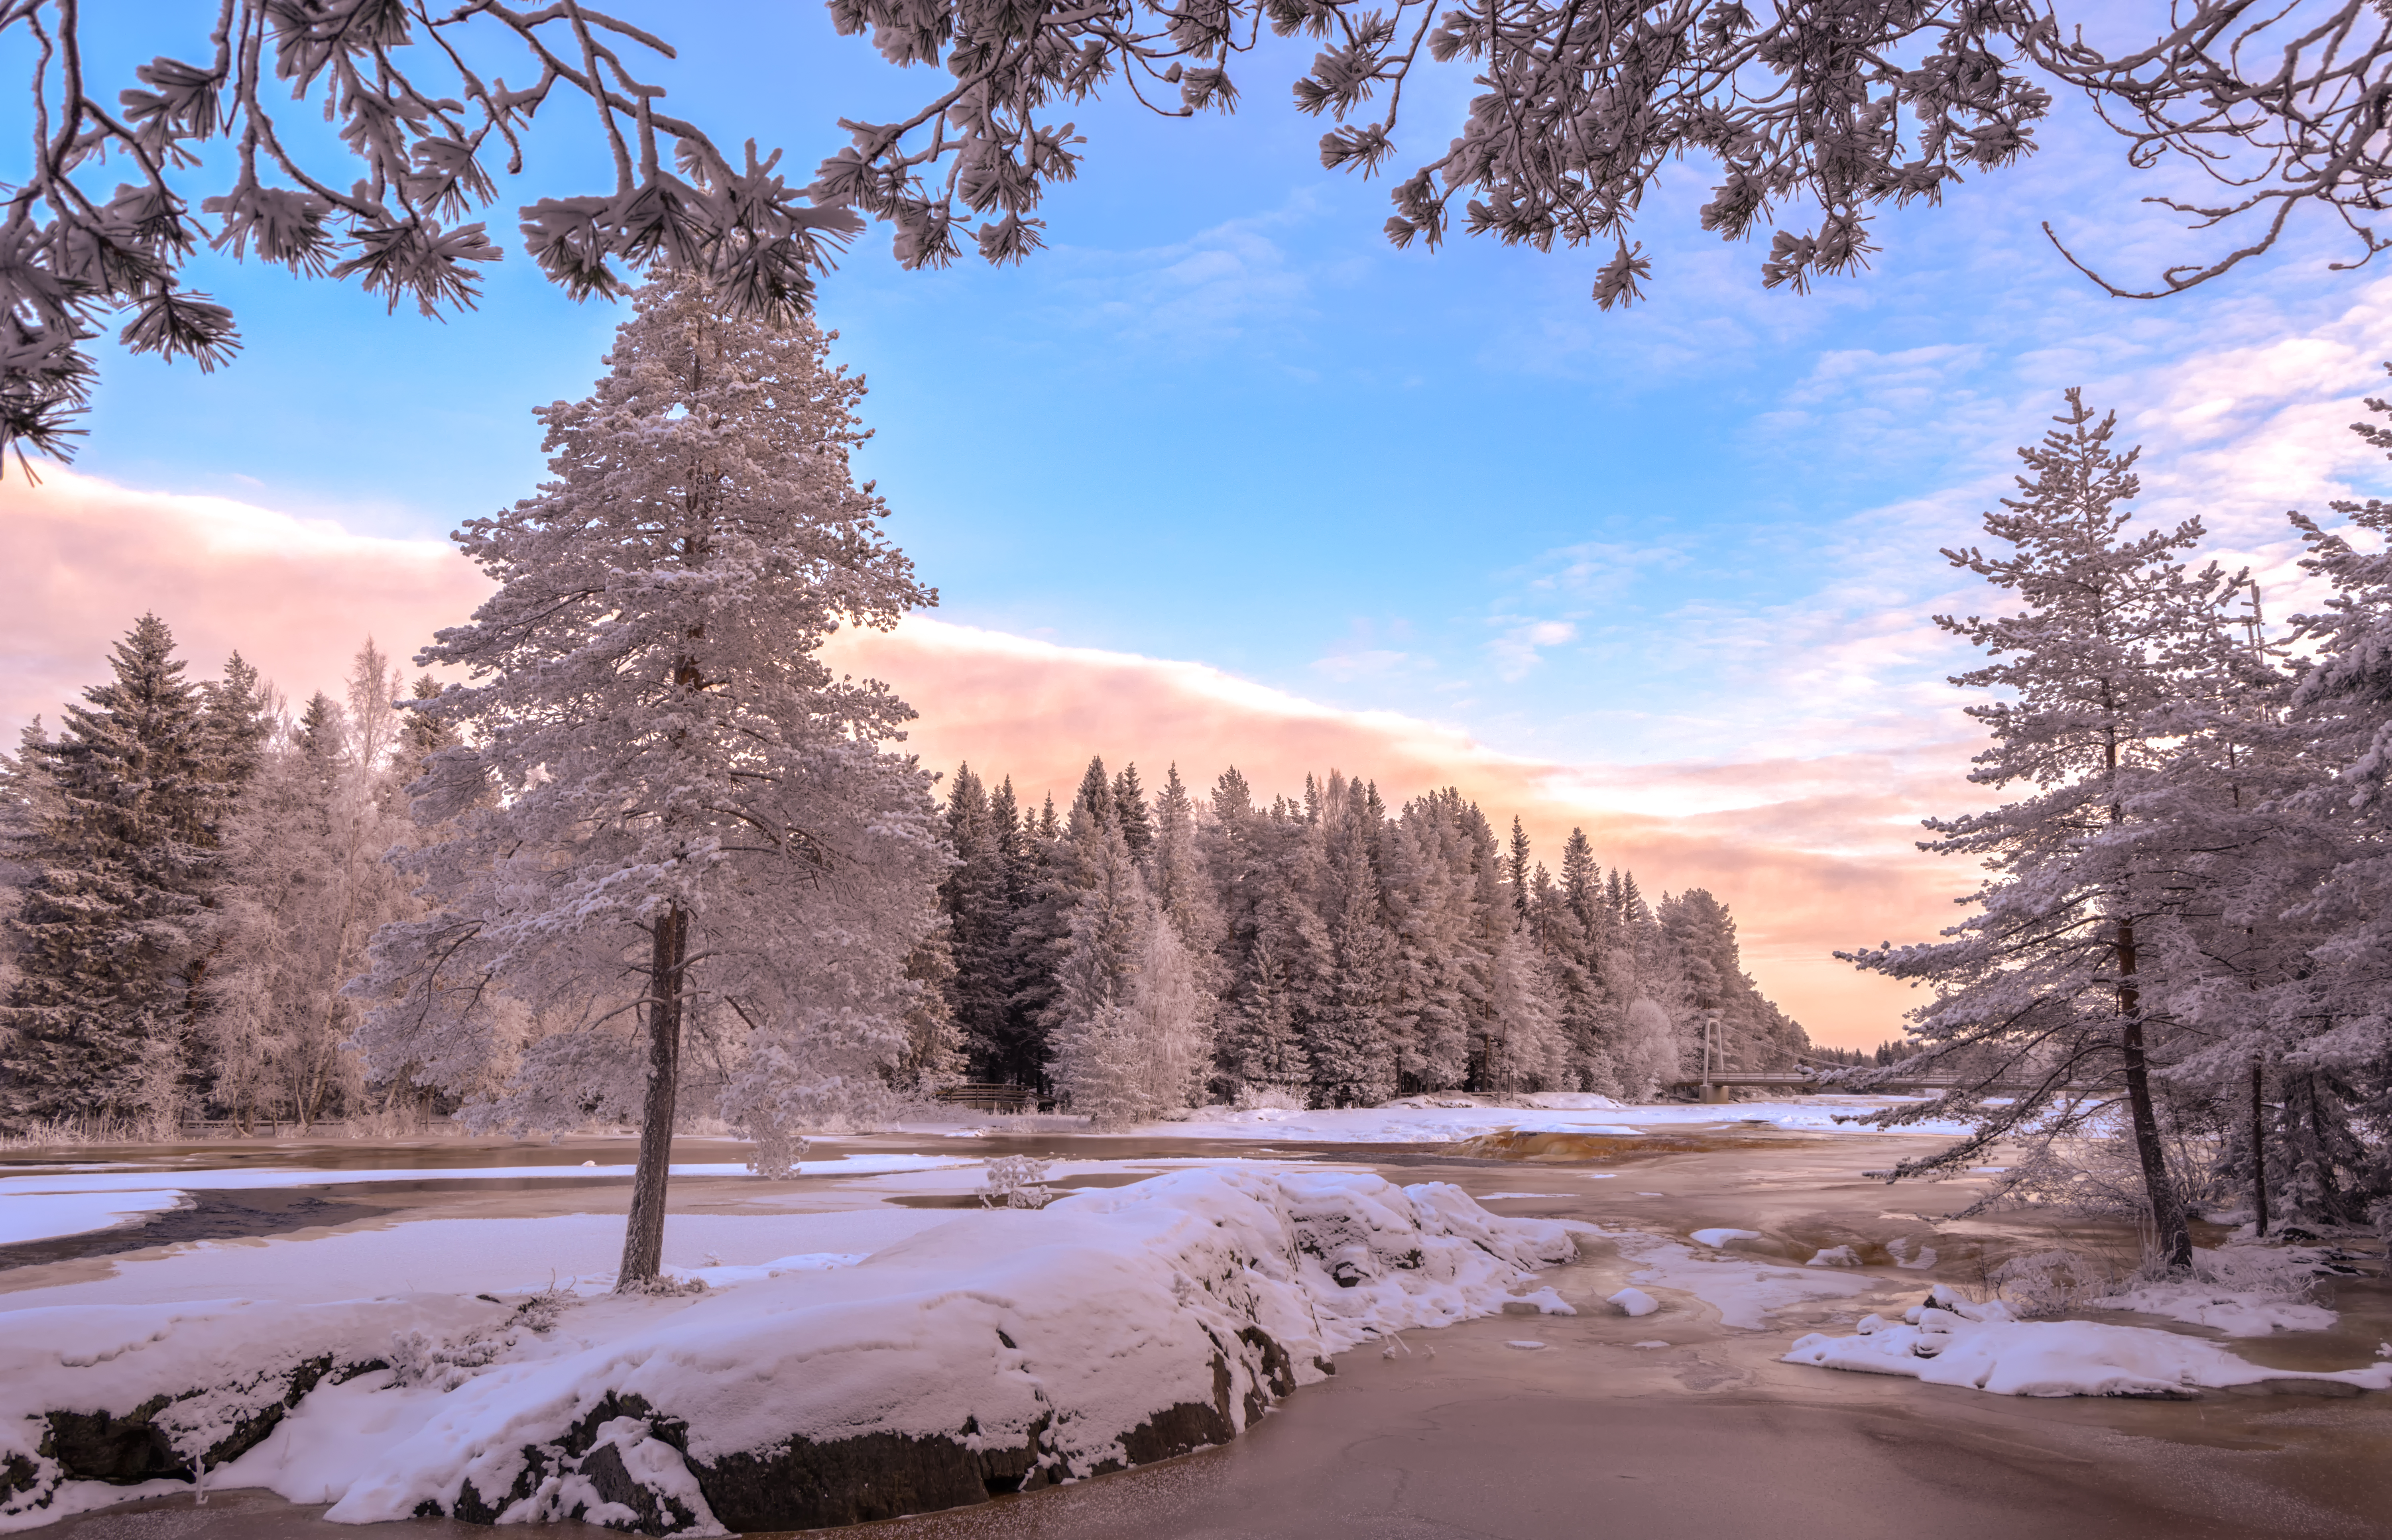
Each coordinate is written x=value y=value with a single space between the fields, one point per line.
x=1669 y=572
x=1221 y=420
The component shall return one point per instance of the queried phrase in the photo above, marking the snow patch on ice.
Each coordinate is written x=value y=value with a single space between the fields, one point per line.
x=1722 y=1236
x=35 y=1215
x=1745 y=1293
x=1982 y=1346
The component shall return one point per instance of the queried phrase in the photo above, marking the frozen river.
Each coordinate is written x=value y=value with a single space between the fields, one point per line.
x=1683 y=1422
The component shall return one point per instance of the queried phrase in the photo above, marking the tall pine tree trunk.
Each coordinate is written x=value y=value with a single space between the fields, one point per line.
x=643 y=1235
x=2167 y=1213
x=2259 y=1143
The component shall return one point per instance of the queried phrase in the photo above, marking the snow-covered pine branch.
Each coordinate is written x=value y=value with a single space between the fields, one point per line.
x=1812 y=118
x=99 y=222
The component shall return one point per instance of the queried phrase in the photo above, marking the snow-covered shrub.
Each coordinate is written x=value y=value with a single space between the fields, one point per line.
x=1016 y=1181
x=419 y=1358
x=778 y=1152
x=2045 y=1284
x=1253 y=1097
x=1645 y=1055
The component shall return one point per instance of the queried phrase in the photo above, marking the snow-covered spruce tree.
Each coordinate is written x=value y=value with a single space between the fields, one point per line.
x=305 y=887
x=1754 y=1034
x=2044 y=989
x=2335 y=1023
x=1646 y=1052
x=121 y=817
x=976 y=899
x=1124 y=1023
x=696 y=828
x=1350 y=1042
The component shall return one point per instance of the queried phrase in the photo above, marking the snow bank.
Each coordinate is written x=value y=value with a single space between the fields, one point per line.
x=1982 y=1348
x=2241 y=1290
x=995 y=1350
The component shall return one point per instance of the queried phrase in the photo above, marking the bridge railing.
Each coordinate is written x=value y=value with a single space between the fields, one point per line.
x=983 y=1097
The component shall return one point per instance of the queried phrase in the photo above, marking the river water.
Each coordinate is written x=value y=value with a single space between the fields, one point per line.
x=1670 y=1425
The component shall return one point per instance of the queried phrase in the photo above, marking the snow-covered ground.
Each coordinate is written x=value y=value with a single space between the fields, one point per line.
x=1111 y=1327
x=479 y=1365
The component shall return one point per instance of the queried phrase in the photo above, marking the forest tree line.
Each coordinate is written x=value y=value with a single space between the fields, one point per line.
x=1137 y=954
x=196 y=870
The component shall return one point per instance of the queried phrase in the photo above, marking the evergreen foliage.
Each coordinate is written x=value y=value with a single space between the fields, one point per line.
x=1328 y=951
x=118 y=821
x=698 y=830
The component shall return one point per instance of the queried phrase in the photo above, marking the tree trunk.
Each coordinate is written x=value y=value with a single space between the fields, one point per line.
x=643 y=1235
x=2259 y=1143
x=2167 y=1213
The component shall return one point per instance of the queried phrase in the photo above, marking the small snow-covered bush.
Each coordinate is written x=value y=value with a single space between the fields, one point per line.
x=778 y=1152
x=2045 y=1284
x=419 y=1358
x=1015 y=1181
x=1252 y=1098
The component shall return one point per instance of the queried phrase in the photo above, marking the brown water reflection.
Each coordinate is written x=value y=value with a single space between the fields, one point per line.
x=1595 y=1434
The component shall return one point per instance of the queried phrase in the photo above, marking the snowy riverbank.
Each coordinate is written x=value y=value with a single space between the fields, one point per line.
x=985 y=1351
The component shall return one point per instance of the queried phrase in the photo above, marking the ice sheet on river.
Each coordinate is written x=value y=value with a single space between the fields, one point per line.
x=1416 y=1123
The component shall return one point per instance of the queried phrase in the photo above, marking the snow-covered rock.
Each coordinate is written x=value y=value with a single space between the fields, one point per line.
x=1001 y=1349
x=1983 y=1347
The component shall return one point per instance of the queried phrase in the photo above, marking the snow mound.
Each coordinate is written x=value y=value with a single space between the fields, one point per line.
x=2235 y=1312
x=1635 y=1302
x=1003 y=1348
x=2241 y=1290
x=1983 y=1347
x=1721 y=1236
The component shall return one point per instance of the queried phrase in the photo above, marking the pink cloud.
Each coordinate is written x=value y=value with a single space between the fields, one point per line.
x=294 y=596
x=1812 y=852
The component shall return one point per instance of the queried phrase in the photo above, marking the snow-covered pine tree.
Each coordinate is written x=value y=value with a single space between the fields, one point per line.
x=1137 y=818
x=1257 y=857
x=2043 y=986
x=1516 y=868
x=127 y=804
x=2334 y=1026
x=305 y=887
x=978 y=900
x=1645 y=1054
x=1039 y=934
x=1577 y=992
x=698 y=826
x=1123 y=1024
x=1181 y=884
x=1754 y=1034
x=1432 y=890
x=1354 y=1060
